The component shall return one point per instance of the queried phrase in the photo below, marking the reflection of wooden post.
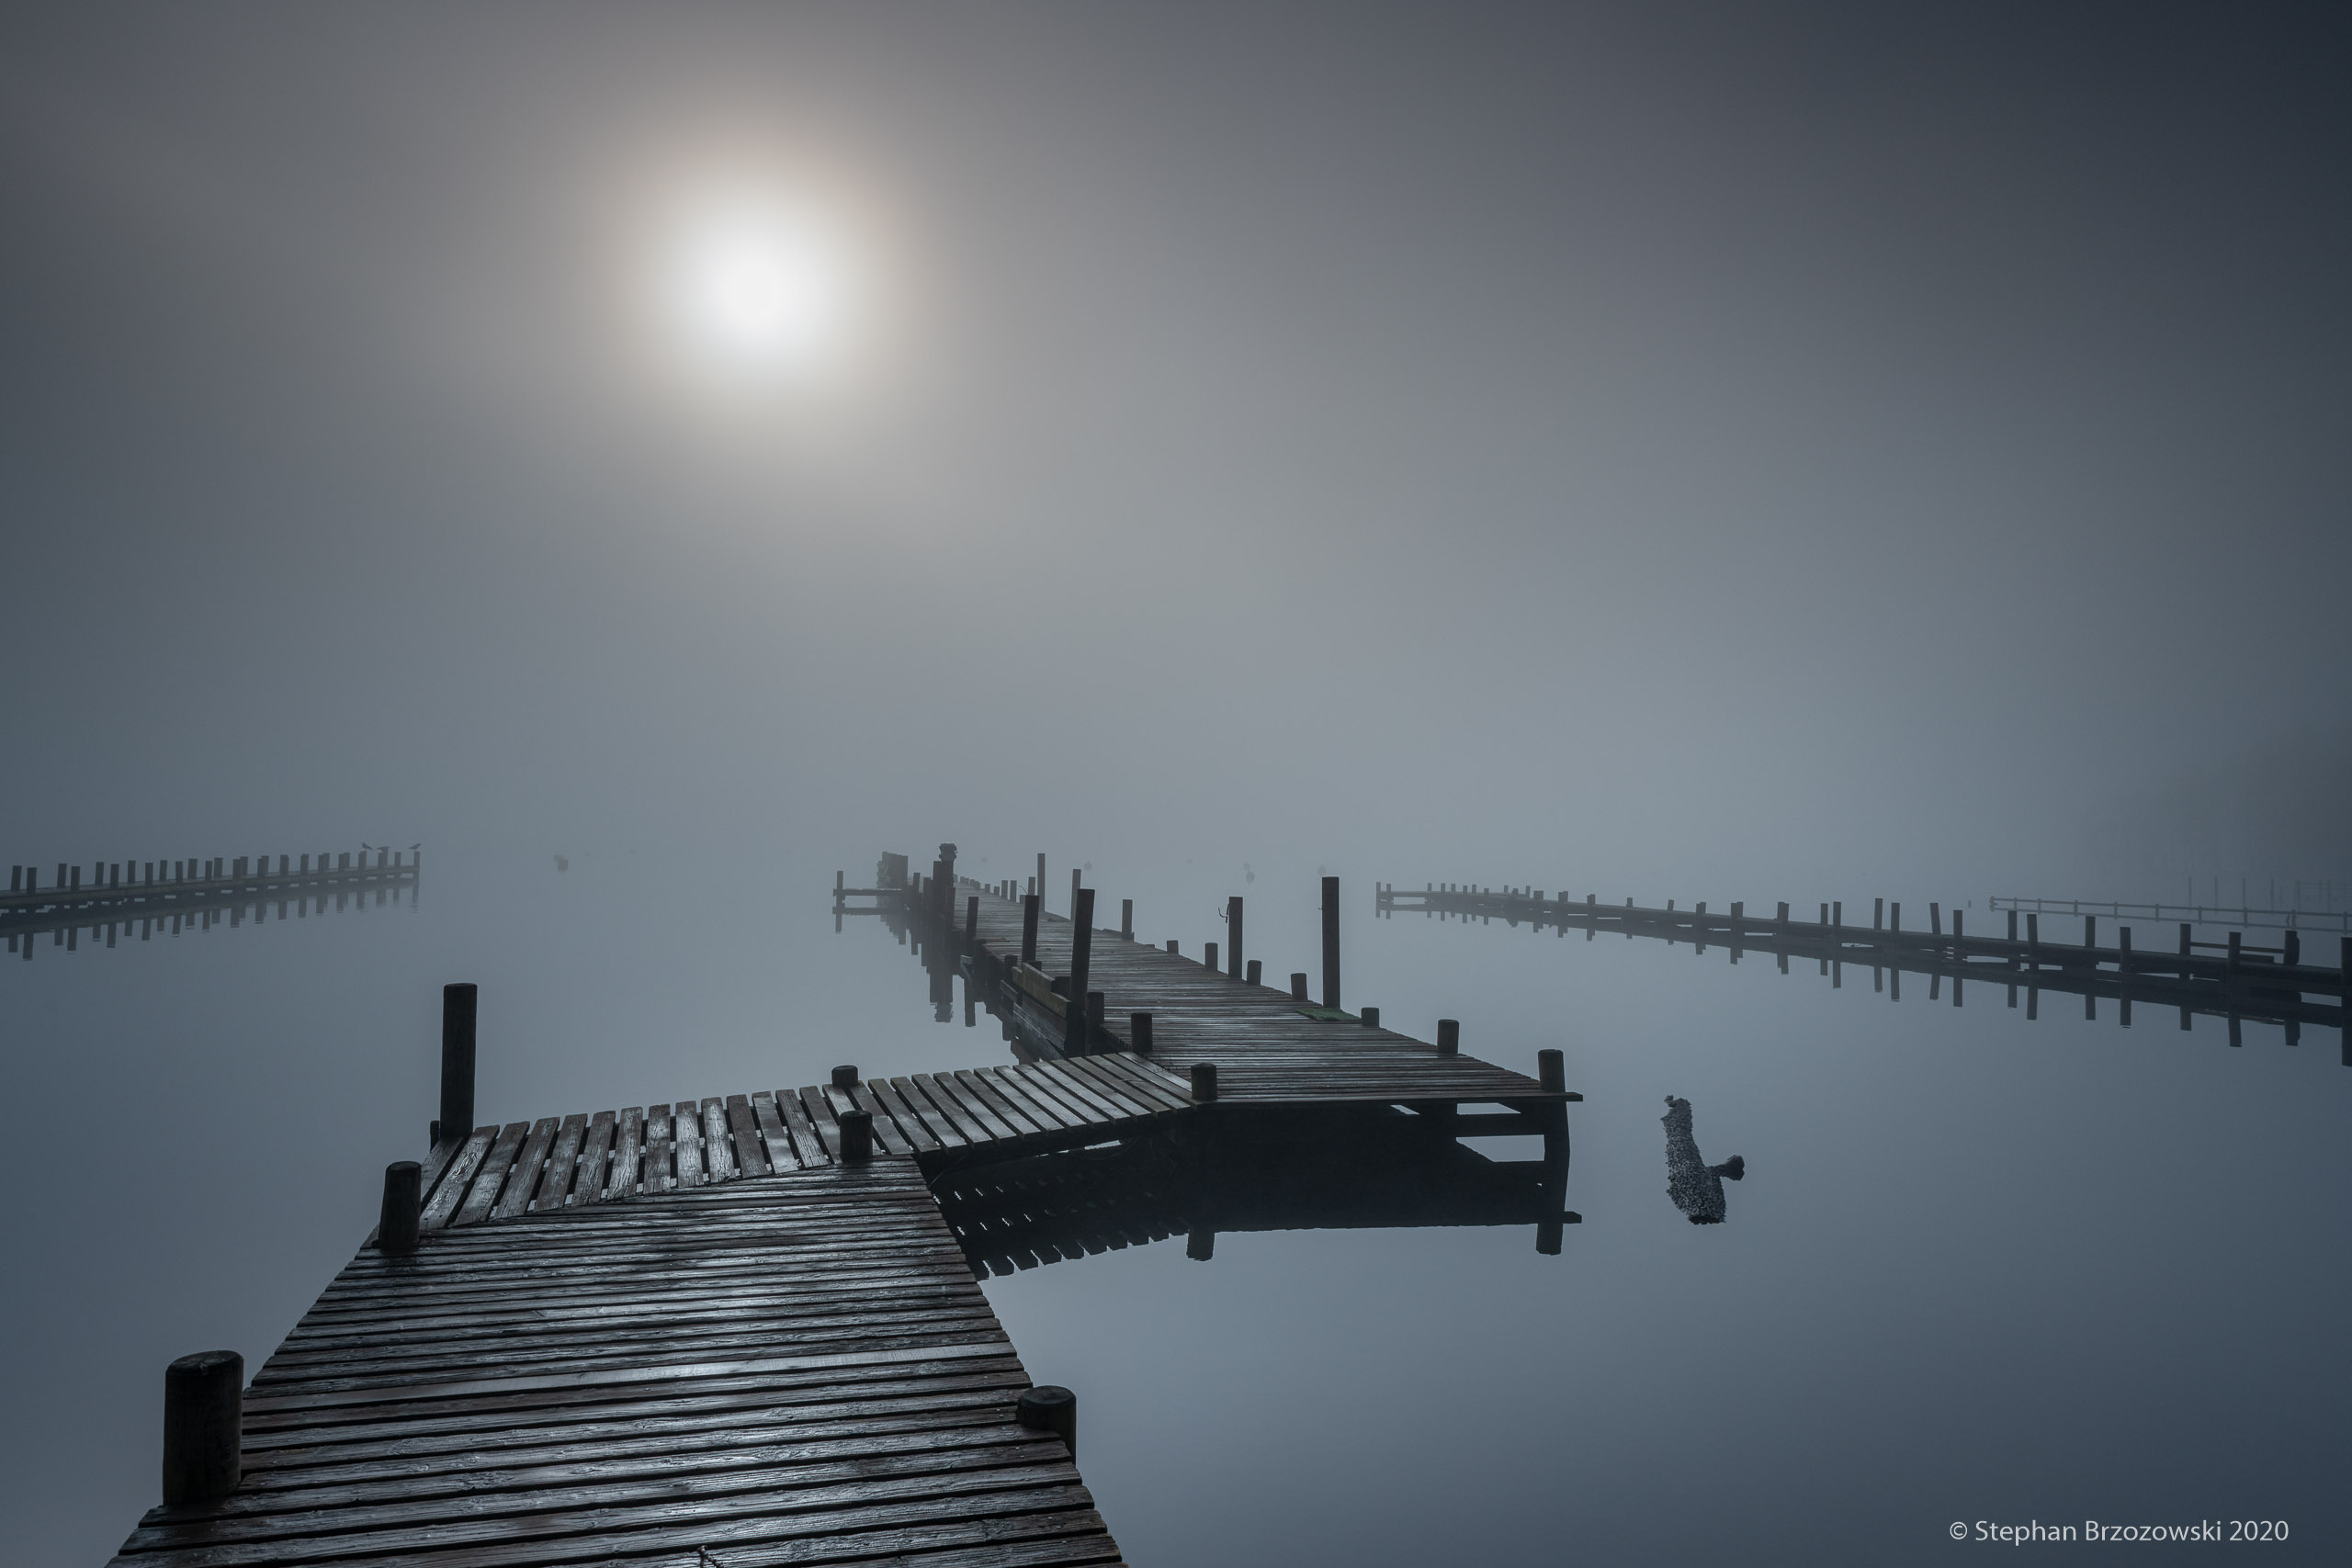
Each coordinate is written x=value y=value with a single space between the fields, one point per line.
x=1331 y=941
x=1203 y=1082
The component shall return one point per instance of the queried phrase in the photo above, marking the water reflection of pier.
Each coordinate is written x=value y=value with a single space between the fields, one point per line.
x=2231 y=979
x=144 y=898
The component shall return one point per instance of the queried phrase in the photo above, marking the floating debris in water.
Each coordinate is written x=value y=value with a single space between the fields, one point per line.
x=1696 y=1187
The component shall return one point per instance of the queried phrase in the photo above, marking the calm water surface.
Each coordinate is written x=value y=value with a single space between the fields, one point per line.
x=1979 y=1269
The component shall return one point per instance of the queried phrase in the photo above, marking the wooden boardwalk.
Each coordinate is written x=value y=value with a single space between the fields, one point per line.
x=725 y=1330
x=2229 y=979
x=580 y=1160
x=795 y=1370
x=1267 y=1045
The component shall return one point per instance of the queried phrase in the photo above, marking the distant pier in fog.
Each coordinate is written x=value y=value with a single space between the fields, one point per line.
x=2231 y=979
x=121 y=898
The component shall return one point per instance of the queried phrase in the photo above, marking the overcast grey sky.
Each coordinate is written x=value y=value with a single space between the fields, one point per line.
x=1684 y=445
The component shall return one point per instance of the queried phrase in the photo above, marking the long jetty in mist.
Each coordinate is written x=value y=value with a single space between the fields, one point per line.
x=2230 y=979
x=748 y=1329
x=123 y=897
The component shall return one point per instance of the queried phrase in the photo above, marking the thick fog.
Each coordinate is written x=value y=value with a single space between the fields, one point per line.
x=1794 y=454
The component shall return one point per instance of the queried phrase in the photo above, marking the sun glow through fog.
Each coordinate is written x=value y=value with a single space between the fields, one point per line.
x=762 y=287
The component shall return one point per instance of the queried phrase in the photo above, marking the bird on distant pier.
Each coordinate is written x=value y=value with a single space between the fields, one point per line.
x=1696 y=1187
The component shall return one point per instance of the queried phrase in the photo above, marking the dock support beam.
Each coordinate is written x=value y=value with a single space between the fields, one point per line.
x=203 y=1427
x=1050 y=1408
x=1081 y=952
x=458 y=1006
x=396 y=1223
x=1331 y=941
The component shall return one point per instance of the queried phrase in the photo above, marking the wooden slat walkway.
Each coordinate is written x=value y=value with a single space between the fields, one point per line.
x=501 y=1173
x=800 y=1370
x=1265 y=1047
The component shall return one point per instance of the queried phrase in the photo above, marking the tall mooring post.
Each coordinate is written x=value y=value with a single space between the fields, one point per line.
x=458 y=1060
x=1233 y=938
x=1331 y=941
x=1081 y=950
x=1030 y=904
x=203 y=1427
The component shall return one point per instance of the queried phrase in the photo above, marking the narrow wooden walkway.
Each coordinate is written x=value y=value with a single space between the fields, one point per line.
x=795 y=1370
x=575 y=1161
x=1267 y=1047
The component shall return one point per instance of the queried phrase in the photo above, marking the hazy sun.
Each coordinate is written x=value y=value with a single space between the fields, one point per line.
x=763 y=284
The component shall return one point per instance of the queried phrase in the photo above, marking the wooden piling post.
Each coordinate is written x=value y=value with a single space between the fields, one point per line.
x=1050 y=1407
x=1029 y=911
x=972 y=918
x=1081 y=954
x=203 y=1427
x=1331 y=941
x=1172 y=945
x=1369 y=1017
x=1449 y=1037
x=1935 y=920
x=1838 y=914
x=1255 y=972
x=1878 y=914
x=1203 y=1082
x=1233 y=938
x=1127 y=920
x=1552 y=1072
x=1208 y=956
x=857 y=1137
x=396 y=1223
x=2090 y=930
x=457 y=1011
x=1298 y=985
x=1139 y=1032
x=845 y=1078
x=1093 y=1017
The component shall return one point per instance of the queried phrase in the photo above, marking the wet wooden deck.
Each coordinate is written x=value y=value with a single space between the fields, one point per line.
x=799 y=1370
x=1267 y=1046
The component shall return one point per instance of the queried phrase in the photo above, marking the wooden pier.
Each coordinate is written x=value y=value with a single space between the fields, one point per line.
x=2230 y=979
x=145 y=899
x=747 y=1329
